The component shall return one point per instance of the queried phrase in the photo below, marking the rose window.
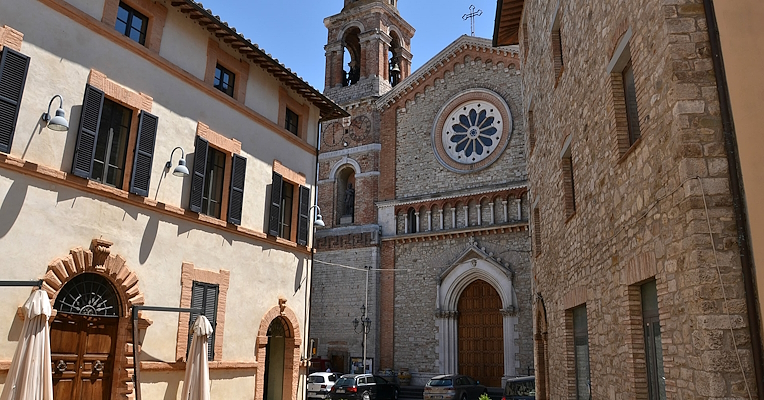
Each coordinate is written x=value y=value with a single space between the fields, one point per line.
x=472 y=132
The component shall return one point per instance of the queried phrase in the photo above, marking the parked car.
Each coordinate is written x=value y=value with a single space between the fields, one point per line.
x=523 y=388
x=453 y=387
x=320 y=383
x=364 y=387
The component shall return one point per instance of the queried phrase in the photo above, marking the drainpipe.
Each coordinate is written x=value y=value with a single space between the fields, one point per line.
x=738 y=198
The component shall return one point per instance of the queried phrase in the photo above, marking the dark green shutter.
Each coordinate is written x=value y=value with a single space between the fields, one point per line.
x=236 y=192
x=204 y=296
x=144 y=153
x=13 y=76
x=303 y=222
x=275 y=212
x=90 y=121
x=200 y=168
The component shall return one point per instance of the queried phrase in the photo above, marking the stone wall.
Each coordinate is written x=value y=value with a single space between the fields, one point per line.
x=416 y=334
x=640 y=213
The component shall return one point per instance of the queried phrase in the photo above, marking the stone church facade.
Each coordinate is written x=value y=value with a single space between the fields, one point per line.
x=424 y=189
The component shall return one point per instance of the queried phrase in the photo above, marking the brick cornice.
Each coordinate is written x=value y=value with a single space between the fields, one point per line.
x=428 y=236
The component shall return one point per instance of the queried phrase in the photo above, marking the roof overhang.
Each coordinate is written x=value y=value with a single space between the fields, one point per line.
x=507 y=23
x=329 y=109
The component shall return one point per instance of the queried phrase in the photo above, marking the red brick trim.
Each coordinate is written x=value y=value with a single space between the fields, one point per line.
x=575 y=297
x=291 y=359
x=639 y=269
x=99 y=260
x=516 y=193
x=292 y=176
x=216 y=55
x=189 y=274
x=388 y=139
x=156 y=13
x=11 y=38
x=540 y=340
x=635 y=343
x=302 y=111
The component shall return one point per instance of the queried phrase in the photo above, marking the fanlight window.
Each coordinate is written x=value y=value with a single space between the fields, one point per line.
x=88 y=294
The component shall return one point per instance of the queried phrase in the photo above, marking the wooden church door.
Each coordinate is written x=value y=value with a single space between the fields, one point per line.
x=481 y=334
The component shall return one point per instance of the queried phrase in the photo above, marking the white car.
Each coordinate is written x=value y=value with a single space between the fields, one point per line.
x=320 y=383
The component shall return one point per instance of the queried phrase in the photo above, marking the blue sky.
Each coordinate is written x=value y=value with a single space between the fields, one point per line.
x=293 y=30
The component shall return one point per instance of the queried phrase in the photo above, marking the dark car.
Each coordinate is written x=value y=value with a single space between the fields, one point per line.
x=364 y=387
x=453 y=387
x=523 y=388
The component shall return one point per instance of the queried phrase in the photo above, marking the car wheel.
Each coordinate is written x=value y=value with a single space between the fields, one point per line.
x=366 y=396
x=395 y=394
x=464 y=396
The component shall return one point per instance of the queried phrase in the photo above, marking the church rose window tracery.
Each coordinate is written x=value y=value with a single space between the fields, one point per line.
x=472 y=130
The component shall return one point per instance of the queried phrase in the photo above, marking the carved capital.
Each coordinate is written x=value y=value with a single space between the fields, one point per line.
x=101 y=251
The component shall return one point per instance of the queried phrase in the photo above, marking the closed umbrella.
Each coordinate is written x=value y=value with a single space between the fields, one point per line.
x=196 y=384
x=30 y=376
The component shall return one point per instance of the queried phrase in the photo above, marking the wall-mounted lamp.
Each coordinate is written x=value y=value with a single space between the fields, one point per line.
x=319 y=221
x=59 y=122
x=181 y=169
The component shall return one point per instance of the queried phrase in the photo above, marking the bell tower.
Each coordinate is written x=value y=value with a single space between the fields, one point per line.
x=368 y=50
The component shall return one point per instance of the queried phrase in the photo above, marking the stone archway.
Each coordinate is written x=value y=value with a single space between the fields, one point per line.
x=99 y=260
x=292 y=341
x=473 y=265
x=541 y=350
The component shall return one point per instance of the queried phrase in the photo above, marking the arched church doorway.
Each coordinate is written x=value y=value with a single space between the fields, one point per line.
x=481 y=333
x=84 y=338
x=275 y=353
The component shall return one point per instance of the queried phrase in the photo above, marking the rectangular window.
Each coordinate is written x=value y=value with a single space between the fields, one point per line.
x=212 y=197
x=285 y=220
x=111 y=145
x=131 y=23
x=569 y=185
x=224 y=80
x=291 y=122
x=204 y=296
x=651 y=325
x=630 y=97
x=581 y=351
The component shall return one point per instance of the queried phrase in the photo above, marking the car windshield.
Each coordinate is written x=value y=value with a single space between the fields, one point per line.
x=439 y=382
x=315 y=379
x=345 y=381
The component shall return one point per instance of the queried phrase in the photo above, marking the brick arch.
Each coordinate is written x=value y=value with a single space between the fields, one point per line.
x=292 y=341
x=99 y=260
x=541 y=350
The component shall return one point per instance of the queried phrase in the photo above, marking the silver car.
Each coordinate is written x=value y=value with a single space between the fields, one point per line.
x=453 y=387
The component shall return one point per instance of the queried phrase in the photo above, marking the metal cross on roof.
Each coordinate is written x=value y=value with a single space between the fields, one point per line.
x=471 y=16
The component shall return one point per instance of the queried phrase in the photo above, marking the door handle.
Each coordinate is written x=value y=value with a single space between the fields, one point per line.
x=98 y=366
x=61 y=366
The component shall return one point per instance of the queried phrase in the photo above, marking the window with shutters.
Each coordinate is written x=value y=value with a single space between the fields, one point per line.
x=115 y=138
x=218 y=176
x=568 y=182
x=289 y=208
x=624 y=92
x=204 y=296
x=557 y=53
x=13 y=74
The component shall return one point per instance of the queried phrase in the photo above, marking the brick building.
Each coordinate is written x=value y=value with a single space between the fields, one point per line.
x=425 y=184
x=642 y=248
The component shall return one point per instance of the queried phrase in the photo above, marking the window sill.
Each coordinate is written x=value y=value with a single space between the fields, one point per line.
x=53 y=175
x=631 y=149
x=570 y=217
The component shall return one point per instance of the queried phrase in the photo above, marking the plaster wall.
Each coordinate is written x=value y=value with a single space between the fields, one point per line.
x=94 y=8
x=743 y=51
x=179 y=106
x=184 y=43
x=224 y=385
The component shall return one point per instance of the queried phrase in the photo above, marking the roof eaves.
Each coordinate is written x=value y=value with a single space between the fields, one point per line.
x=204 y=17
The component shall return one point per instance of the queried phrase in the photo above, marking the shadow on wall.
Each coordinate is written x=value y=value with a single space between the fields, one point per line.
x=15 y=332
x=298 y=280
x=11 y=207
x=148 y=239
x=38 y=128
x=71 y=138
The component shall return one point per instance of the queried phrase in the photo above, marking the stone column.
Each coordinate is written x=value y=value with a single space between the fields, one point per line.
x=440 y=216
x=506 y=211
x=519 y=208
x=466 y=216
x=448 y=340
x=479 y=215
x=416 y=221
x=493 y=211
x=405 y=223
x=429 y=220
x=509 y=320
x=453 y=217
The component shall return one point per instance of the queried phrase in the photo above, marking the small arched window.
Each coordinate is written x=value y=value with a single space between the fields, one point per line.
x=412 y=221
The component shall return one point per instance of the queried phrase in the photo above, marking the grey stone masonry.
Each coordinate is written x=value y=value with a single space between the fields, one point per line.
x=642 y=209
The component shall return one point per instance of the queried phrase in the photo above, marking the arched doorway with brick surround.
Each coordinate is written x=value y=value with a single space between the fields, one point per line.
x=279 y=329
x=473 y=274
x=541 y=350
x=92 y=292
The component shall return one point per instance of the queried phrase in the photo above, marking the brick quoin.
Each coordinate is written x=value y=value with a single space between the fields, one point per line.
x=387 y=305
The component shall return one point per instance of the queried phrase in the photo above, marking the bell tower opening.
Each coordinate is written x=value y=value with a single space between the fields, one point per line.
x=351 y=57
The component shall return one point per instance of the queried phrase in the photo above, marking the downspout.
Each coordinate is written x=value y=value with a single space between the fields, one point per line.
x=738 y=197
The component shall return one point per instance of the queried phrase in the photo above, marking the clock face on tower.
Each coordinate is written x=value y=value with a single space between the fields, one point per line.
x=333 y=134
x=360 y=128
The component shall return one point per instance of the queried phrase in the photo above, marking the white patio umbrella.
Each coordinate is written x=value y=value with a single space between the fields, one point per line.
x=196 y=384
x=30 y=376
